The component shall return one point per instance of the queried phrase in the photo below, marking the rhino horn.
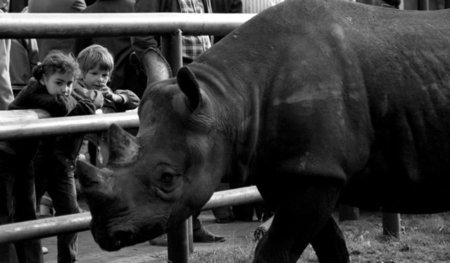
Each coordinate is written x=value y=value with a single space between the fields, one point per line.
x=123 y=147
x=88 y=174
x=189 y=86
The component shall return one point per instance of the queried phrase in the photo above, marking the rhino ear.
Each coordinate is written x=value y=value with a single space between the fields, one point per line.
x=189 y=86
x=123 y=148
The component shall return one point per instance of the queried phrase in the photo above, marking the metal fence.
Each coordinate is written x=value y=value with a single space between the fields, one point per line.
x=80 y=222
x=32 y=123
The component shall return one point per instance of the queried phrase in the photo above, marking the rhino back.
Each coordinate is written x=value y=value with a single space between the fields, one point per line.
x=405 y=60
x=340 y=90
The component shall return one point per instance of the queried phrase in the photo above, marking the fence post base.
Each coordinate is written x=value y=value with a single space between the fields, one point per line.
x=178 y=245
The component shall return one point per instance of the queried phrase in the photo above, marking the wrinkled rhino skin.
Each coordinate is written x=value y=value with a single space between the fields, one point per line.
x=317 y=101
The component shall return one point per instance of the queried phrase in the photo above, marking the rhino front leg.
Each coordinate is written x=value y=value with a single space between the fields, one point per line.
x=298 y=221
x=329 y=244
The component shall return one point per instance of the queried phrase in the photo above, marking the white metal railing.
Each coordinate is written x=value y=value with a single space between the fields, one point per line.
x=44 y=25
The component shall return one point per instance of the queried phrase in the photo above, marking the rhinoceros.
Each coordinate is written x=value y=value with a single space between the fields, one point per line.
x=318 y=102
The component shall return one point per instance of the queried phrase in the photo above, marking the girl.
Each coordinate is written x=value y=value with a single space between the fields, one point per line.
x=50 y=89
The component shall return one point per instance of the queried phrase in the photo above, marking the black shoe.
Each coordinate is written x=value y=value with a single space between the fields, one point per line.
x=204 y=236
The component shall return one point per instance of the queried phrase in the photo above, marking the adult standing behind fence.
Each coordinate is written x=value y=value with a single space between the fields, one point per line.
x=6 y=93
x=55 y=6
x=225 y=6
x=126 y=75
x=256 y=6
x=25 y=54
x=156 y=68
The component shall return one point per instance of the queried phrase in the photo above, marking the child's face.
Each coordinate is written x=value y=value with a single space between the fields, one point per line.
x=96 y=78
x=58 y=83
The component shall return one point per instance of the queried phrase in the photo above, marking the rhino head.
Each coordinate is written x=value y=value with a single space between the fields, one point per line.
x=157 y=179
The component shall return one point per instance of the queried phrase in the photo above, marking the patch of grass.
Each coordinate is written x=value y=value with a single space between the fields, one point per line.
x=424 y=238
x=239 y=251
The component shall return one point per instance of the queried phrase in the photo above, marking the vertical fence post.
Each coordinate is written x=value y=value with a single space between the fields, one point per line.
x=391 y=224
x=179 y=243
x=447 y=3
x=423 y=5
x=178 y=247
x=171 y=48
x=190 y=236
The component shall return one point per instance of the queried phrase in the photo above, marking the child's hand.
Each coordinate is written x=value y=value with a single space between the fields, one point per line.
x=68 y=91
x=108 y=94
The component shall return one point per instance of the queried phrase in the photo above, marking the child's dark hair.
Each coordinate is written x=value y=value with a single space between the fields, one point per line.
x=56 y=61
x=93 y=56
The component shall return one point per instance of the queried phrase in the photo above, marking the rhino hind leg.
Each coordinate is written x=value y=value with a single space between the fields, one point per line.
x=302 y=218
x=329 y=244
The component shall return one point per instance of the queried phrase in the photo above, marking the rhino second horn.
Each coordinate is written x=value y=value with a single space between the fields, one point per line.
x=123 y=148
x=88 y=174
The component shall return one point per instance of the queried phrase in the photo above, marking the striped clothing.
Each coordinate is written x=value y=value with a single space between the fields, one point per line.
x=256 y=6
x=193 y=46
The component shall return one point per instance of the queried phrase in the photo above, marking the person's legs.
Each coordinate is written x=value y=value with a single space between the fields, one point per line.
x=7 y=250
x=28 y=251
x=62 y=190
x=42 y=170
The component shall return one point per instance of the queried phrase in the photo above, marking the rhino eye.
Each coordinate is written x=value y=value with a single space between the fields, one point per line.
x=167 y=178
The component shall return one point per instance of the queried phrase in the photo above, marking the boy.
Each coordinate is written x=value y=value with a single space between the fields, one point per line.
x=96 y=65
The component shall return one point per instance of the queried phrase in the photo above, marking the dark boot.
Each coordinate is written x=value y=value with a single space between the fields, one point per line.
x=223 y=215
x=202 y=235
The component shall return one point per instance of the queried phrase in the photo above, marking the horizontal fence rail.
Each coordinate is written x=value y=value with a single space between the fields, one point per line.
x=32 y=127
x=80 y=222
x=45 y=25
x=37 y=123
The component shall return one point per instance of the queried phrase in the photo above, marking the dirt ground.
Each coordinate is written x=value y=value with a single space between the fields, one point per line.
x=90 y=252
x=424 y=239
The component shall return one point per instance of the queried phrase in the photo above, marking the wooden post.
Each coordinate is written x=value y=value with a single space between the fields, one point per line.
x=447 y=3
x=190 y=236
x=423 y=5
x=410 y=4
x=391 y=224
x=433 y=5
